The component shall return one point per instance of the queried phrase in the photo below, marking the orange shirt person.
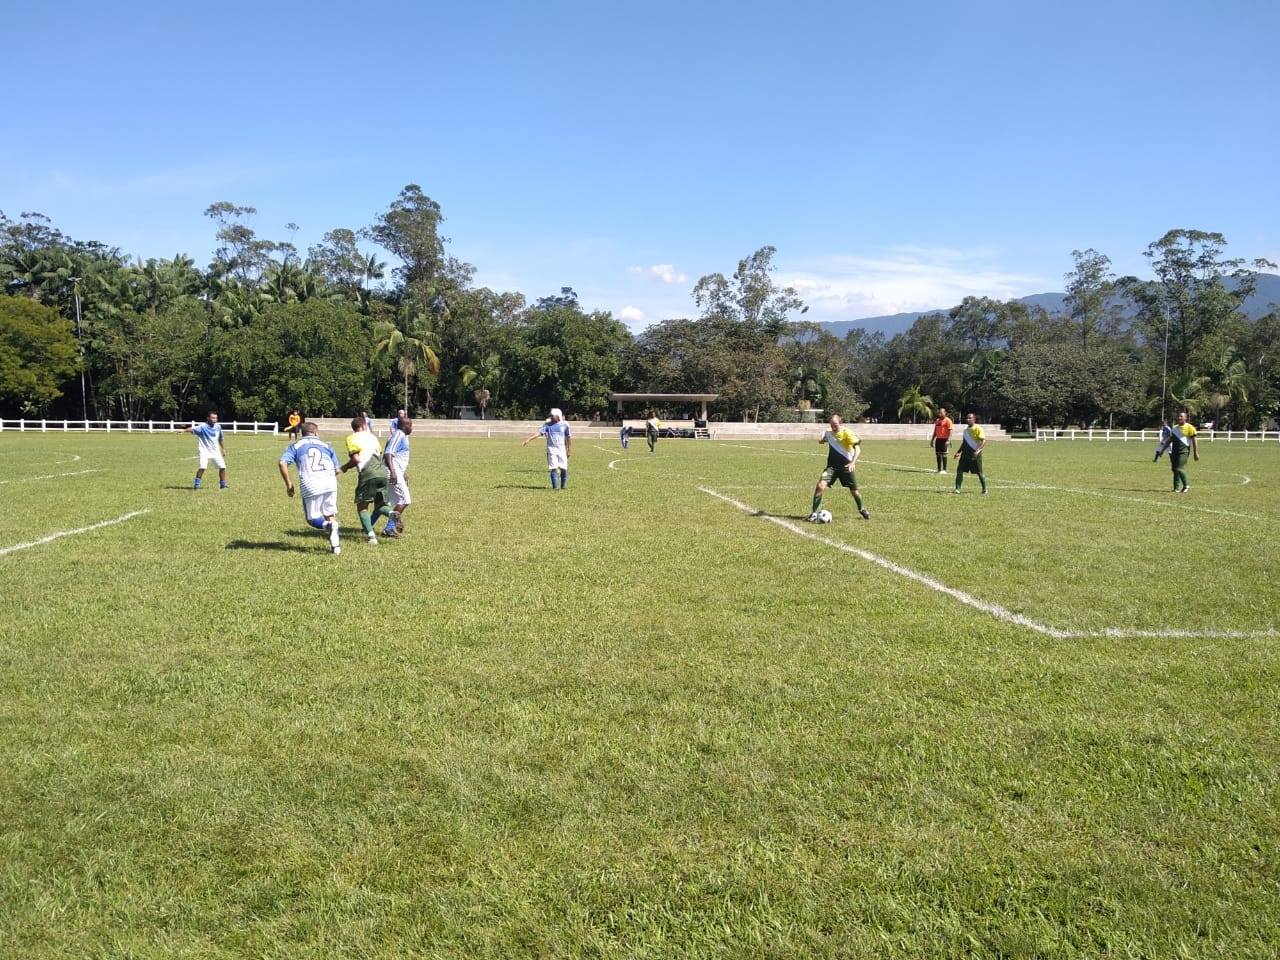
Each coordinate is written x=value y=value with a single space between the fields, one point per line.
x=295 y=422
x=941 y=438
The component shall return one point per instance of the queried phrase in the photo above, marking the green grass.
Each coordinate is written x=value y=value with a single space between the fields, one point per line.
x=631 y=720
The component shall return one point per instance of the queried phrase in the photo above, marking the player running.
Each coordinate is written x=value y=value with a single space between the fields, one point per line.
x=396 y=456
x=317 y=467
x=209 y=449
x=559 y=447
x=941 y=438
x=365 y=456
x=1179 y=440
x=972 y=444
x=843 y=450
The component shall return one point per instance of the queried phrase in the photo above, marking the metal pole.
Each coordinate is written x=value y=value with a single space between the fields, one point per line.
x=84 y=400
x=1164 y=374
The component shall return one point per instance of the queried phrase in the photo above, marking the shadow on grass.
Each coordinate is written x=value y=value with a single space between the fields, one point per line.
x=265 y=545
x=521 y=486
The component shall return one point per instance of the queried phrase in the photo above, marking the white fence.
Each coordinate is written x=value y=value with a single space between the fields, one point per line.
x=126 y=426
x=1153 y=435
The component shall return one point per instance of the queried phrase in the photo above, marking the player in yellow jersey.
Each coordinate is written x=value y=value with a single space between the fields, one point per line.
x=843 y=449
x=1179 y=440
x=972 y=443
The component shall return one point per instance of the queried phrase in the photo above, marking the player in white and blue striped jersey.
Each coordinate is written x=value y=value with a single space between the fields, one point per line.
x=396 y=456
x=317 y=466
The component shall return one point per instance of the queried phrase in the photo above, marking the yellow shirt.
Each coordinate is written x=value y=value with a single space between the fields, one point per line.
x=363 y=446
x=841 y=443
x=1186 y=429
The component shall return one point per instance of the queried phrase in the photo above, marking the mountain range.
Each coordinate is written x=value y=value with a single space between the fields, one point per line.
x=1263 y=300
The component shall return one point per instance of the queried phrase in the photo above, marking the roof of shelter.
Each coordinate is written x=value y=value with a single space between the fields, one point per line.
x=664 y=396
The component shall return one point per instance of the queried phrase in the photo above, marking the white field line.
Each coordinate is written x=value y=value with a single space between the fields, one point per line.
x=613 y=464
x=51 y=476
x=991 y=609
x=71 y=533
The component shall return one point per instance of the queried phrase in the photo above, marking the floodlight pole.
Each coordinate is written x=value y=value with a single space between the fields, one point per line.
x=84 y=399
x=1164 y=373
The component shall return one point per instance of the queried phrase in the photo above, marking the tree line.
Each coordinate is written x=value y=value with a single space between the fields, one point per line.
x=264 y=328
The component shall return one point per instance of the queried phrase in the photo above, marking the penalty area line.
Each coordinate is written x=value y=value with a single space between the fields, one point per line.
x=49 y=538
x=969 y=600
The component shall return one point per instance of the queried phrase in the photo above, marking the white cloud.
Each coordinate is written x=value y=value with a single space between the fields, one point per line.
x=665 y=272
x=631 y=315
x=904 y=279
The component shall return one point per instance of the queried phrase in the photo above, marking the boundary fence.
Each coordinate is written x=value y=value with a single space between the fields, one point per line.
x=1153 y=435
x=128 y=426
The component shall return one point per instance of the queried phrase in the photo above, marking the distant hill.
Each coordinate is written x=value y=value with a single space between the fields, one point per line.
x=1265 y=299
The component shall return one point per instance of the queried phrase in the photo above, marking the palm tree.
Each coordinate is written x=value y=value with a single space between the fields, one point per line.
x=410 y=341
x=914 y=403
x=488 y=375
x=373 y=269
x=1190 y=394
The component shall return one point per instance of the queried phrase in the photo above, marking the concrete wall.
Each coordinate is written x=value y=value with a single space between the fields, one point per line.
x=585 y=430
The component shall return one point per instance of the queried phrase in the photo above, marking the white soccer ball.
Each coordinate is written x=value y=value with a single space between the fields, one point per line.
x=824 y=516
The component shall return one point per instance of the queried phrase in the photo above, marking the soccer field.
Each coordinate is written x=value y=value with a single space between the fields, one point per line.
x=657 y=714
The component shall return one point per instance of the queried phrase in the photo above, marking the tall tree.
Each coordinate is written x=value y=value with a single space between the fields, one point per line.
x=1090 y=288
x=410 y=229
x=752 y=298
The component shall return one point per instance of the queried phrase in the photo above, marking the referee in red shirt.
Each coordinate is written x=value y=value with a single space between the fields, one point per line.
x=941 y=438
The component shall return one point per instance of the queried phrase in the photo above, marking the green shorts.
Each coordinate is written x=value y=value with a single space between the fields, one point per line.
x=842 y=474
x=969 y=463
x=371 y=485
x=1178 y=458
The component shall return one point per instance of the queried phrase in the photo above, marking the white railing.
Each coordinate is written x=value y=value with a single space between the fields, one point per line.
x=128 y=426
x=1152 y=435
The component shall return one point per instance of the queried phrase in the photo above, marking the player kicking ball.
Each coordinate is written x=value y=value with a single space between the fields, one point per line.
x=843 y=450
x=317 y=467
x=209 y=449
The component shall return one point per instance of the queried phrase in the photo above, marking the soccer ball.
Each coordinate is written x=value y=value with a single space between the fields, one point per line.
x=824 y=516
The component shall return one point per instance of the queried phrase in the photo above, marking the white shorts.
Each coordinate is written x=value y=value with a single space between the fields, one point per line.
x=557 y=460
x=398 y=492
x=214 y=458
x=320 y=506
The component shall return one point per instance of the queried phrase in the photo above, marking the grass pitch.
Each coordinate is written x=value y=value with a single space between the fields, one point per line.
x=633 y=720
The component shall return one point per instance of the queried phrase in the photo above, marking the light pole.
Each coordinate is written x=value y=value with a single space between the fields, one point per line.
x=84 y=400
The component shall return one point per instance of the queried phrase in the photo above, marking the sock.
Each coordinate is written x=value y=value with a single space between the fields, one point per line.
x=959 y=479
x=391 y=522
x=366 y=524
x=222 y=484
x=381 y=511
x=817 y=502
x=554 y=481
x=982 y=479
x=564 y=479
x=318 y=524
x=858 y=500
x=197 y=483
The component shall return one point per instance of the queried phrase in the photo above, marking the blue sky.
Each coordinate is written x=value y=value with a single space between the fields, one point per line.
x=898 y=156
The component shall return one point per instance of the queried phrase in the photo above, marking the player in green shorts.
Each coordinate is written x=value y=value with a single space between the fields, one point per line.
x=970 y=453
x=365 y=455
x=1180 y=440
x=843 y=449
